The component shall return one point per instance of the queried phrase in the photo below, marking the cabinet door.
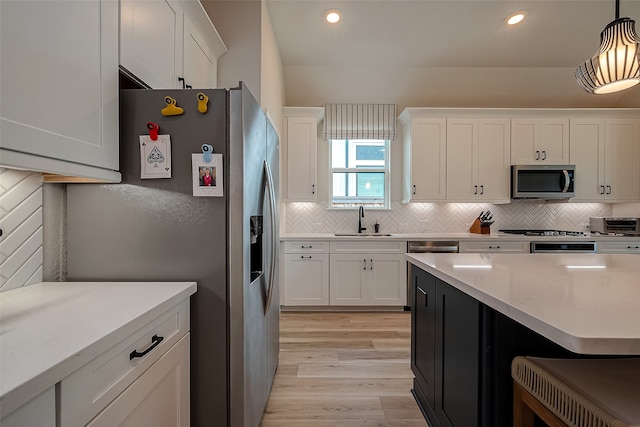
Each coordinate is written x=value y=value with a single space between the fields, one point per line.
x=349 y=276
x=622 y=160
x=200 y=64
x=586 y=149
x=388 y=280
x=59 y=81
x=462 y=155
x=457 y=358
x=301 y=169
x=151 y=41
x=306 y=279
x=159 y=397
x=494 y=147
x=423 y=330
x=425 y=157
x=538 y=141
x=38 y=412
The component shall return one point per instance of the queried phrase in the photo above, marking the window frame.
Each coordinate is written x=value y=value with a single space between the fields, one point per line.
x=385 y=170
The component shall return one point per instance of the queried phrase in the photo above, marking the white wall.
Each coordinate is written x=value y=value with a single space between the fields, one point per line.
x=239 y=26
x=272 y=74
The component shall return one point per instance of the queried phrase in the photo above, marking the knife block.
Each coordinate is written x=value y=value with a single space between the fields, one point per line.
x=477 y=229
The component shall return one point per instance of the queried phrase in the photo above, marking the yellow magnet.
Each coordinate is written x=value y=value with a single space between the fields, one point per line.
x=202 y=102
x=171 y=109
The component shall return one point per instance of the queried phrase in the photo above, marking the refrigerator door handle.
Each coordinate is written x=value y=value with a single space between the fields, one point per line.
x=272 y=223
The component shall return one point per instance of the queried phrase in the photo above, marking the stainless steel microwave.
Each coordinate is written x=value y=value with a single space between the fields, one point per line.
x=543 y=181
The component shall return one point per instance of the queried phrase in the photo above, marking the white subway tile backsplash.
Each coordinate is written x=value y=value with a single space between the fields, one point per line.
x=21 y=250
x=442 y=217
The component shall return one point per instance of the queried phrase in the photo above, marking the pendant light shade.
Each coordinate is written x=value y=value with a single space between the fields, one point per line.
x=616 y=65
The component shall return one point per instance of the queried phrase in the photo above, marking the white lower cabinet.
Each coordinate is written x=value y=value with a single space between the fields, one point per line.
x=306 y=279
x=620 y=247
x=305 y=273
x=493 y=246
x=141 y=380
x=344 y=273
x=159 y=397
x=38 y=412
x=375 y=276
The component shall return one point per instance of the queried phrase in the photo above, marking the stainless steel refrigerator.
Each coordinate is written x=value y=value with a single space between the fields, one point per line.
x=156 y=230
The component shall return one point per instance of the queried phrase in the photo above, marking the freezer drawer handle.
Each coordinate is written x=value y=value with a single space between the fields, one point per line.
x=155 y=341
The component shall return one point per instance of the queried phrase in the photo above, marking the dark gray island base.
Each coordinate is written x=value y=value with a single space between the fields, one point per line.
x=461 y=353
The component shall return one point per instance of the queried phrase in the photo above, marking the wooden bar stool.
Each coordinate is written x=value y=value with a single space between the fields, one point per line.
x=576 y=392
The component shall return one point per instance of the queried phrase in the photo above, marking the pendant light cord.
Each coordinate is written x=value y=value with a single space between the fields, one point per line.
x=617 y=9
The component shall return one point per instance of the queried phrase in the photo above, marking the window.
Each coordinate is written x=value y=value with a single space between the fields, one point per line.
x=359 y=173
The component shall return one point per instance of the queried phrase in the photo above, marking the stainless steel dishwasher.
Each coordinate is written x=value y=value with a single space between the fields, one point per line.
x=428 y=246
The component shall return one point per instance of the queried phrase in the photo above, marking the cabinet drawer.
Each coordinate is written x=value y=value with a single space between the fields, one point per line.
x=358 y=246
x=486 y=246
x=619 y=247
x=84 y=393
x=306 y=246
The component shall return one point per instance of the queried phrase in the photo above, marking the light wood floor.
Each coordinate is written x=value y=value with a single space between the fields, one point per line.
x=343 y=369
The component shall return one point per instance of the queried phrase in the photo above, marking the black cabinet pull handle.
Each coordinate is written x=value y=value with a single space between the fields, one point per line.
x=537 y=154
x=305 y=257
x=155 y=341
x=475 y=187
x=414 y=189
x=371 y=264
x=181 y=80
x=313 y=189
x=482 y=189
x=365 y=264
x=189 y=87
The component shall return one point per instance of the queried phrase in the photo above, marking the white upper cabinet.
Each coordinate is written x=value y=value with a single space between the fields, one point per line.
x=200 y=66
x=478 y=160
x=606 y=153
x=424 y=159
x=300 y=153
x=59 y=87
x=169 y=44
x=151 y=41
x=540 y=141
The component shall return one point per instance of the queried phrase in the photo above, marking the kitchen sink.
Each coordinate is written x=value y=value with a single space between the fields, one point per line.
x=361 y=234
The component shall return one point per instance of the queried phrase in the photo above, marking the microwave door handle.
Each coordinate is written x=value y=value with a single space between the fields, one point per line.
x=567 y=181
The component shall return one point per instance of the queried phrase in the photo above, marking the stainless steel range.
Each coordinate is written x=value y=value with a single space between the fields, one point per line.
x=577 y=246
x=534 y=232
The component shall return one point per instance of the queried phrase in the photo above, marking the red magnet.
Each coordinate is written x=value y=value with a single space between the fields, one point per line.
x=153 y=130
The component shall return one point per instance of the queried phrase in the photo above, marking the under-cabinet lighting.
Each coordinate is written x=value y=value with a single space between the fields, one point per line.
x=471 y=266
x=577 y=267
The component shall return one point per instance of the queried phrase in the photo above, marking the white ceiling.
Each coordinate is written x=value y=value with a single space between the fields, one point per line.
x=443 y=53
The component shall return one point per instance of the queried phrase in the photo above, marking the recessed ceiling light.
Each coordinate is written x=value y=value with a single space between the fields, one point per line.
x=332 y=16
x=516 y=18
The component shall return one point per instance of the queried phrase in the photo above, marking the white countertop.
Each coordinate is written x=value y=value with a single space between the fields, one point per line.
x=49 y=330
x=588 y=311
x=454 y=236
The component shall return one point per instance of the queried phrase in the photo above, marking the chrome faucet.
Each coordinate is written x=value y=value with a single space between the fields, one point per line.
x=360 y=216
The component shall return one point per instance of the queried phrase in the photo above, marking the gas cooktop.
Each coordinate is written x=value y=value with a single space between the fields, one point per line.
x=533 y=232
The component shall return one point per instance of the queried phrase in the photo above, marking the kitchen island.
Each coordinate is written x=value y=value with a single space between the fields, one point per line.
x=474 y=312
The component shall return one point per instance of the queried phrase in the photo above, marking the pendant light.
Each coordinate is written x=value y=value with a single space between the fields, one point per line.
x=616 y=65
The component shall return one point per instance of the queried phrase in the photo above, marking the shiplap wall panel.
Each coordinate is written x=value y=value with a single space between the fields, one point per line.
x=21 y=253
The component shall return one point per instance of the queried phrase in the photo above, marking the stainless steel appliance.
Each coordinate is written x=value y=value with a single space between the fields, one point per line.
x=542 y=232
x=156 y=230
x=550 y=246
x=543 y=181
x=429 y=246
x=616 y=226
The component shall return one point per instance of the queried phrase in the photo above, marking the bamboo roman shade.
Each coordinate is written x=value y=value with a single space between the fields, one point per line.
x=360 y=121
